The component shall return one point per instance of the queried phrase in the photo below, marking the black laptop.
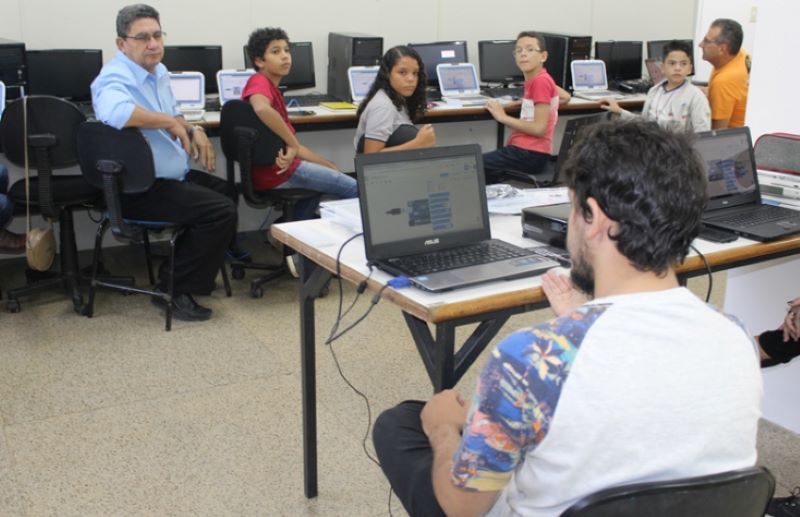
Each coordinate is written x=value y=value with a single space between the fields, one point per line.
x=425 y=217
x=734 y=199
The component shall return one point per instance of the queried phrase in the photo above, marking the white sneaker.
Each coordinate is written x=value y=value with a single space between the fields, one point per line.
x=293 y=264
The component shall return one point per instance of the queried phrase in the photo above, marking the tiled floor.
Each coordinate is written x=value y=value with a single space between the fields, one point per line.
x=114 y=416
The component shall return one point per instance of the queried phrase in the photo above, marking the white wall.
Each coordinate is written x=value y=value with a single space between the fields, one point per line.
x=743 y=11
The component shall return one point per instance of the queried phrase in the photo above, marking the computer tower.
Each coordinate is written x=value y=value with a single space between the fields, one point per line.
x=346 y=50
x=12 y=67
x=563 y=49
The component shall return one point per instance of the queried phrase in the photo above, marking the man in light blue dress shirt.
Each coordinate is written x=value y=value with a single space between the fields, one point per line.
x=133 y=90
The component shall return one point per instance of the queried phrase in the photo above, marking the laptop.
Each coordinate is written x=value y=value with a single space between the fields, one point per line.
x=361 y=79
x=734 y=198
x=459 y=84
x=2 y=97
x=189 y=90
x=590 y=81
x=423 y=208
x=654 y=70
x=230 y=84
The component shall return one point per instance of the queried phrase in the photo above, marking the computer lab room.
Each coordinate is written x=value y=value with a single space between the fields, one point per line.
x=113 y=402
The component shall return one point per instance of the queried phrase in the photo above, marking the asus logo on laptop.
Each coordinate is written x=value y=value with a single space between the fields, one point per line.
x=431 y=242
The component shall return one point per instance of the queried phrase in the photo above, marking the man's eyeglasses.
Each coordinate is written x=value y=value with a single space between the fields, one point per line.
x=146 y=37
x=707 y=41
x=527 y=50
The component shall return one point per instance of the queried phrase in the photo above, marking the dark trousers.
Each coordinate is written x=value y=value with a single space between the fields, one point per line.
x=512 y=158
x=205 y=205
x=406 y=457
x=778 y=350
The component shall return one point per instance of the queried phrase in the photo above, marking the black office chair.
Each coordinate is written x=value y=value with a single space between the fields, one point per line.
x=737 y=493
x=246 y=140
x=52 y=127
x=404 y=133
x=121 y=162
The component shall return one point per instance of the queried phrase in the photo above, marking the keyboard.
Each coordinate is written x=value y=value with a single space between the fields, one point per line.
x=193 y=115
x=756 y=216
x=511 y=91
x=594 y=95
x=464 y=256
x=307 y=100
x=476 y=100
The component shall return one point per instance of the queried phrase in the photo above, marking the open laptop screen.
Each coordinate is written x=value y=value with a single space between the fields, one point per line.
x=231 y=84
x=361 y=79
x=421 y=200
x=188 y=89
x=589 y=75
x=727 y=157
x=454 y=79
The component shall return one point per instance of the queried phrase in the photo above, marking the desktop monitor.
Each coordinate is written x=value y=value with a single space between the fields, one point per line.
x=206 y=59
x=302 y=73
x=440 y=52
x=623 y=59
x=497 y=63
x=63 y=73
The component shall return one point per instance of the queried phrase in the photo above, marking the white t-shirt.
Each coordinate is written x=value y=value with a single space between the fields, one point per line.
x=625 y=389
x=684 y=108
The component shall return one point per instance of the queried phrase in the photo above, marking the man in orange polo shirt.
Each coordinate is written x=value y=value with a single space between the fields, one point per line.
x=727 y=87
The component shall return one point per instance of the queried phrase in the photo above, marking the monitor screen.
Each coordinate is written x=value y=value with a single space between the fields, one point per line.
x=63 y=73
x=302 y=73
x=623 y=59
x=440 y=52
x=497 y=62
x=231 y=83
x=206 y=59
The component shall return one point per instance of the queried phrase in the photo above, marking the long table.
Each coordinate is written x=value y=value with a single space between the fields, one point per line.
x=490 y=305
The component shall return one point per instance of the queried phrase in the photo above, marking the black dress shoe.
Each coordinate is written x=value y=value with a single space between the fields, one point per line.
x=184 y=308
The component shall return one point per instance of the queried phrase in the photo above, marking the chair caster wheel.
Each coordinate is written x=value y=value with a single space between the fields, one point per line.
x=237 y=273
x=84 y=311
x=256 y=292
x=13 y=306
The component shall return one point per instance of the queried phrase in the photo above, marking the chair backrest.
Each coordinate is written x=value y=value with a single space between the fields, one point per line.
x=737 y=493
x=404 y=133
x=116 y=161
x=248 y=141
x=46 y=116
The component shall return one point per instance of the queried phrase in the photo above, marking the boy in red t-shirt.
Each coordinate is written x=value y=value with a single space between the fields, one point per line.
x=296 y=166
x=531 y=142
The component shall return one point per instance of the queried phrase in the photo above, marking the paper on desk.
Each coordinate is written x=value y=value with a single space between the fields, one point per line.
x=524 y=198
x=344 y=212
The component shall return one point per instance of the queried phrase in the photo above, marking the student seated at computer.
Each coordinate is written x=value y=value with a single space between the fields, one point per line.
x=675 y=103
x=395 y=99
x=531 y=142
x=296 y=166
x=782 y=345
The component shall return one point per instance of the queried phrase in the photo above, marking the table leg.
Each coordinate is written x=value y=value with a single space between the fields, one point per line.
x=312 y=279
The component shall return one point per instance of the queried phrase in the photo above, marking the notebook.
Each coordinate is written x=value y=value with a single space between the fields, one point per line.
x=425 y=206
x=230 y=84
x=459 y=84
x=189 y=90
x=361 y=79
x=734 y=198
x=654 y=70
x=589 y=80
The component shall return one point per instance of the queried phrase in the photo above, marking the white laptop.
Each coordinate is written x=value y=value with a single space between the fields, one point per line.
x=459 y=84
x=230 y=84
x=589 y=80
x=361 y=79
x=189 y=90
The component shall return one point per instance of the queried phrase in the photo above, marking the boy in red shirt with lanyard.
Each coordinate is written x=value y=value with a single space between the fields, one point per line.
x=531 y=142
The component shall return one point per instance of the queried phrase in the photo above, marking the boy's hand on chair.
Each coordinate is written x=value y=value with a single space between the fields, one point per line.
x=285 y=158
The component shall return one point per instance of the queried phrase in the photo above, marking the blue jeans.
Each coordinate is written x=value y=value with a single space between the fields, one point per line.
x=6 y=205
x=512 y=158
x=317 y=177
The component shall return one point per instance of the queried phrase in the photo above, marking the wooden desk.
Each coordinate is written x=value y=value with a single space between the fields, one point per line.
x=326 y=119
x=490 y=305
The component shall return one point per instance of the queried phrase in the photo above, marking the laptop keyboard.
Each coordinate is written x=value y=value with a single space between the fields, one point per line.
x=760 y=215
x=512 y=91
x=311 y=99
x=599 y=94
x=444 y=260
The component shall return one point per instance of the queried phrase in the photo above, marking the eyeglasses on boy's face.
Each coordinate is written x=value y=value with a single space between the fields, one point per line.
x=527 y=50
x=145 y=37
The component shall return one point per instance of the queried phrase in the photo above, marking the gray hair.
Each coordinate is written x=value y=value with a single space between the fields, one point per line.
x=730 y=32
x=130 y=13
